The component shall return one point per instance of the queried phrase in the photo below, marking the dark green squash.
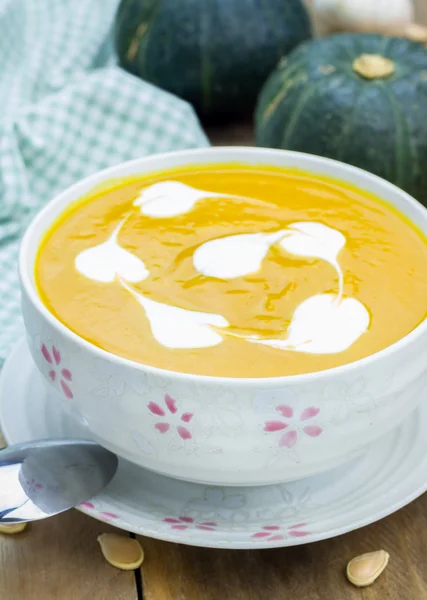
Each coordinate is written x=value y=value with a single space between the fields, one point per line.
x=214 y=53
x=357 y=98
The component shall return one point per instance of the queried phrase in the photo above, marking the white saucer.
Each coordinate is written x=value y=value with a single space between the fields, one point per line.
x=391 y=474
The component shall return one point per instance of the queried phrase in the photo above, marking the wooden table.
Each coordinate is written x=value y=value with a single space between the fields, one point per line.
x=59 y=559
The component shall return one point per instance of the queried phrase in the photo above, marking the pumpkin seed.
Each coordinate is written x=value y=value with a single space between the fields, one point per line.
x=366 y=568
x=120 y=551
x=11 y=528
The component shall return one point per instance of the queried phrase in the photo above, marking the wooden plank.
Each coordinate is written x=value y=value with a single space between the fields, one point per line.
x=60 y=559
x=311 y=572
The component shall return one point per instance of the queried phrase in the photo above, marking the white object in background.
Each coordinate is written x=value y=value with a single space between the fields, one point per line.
x=108 y=260
x=379 y=16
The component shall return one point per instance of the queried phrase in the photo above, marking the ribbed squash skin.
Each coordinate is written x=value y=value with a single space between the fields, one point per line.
x=315 y=102
x=214 y=53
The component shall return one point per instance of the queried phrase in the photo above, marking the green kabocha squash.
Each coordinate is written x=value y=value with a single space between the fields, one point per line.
x=214 y=53
x=357 y=98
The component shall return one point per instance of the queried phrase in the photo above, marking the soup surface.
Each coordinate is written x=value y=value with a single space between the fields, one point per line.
x=234 y=270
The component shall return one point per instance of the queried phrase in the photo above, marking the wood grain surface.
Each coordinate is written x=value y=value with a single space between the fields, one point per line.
x=59 y=559
x=310 y=572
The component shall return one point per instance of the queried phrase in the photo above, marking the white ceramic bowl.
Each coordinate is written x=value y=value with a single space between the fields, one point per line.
x=334 y=413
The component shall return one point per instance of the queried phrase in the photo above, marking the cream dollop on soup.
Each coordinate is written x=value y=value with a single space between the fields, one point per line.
x=233 y=270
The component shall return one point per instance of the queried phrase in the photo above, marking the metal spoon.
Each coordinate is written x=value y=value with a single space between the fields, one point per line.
x=44 y=478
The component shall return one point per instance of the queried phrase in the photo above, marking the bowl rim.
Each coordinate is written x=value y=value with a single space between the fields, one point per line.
x=247 y=152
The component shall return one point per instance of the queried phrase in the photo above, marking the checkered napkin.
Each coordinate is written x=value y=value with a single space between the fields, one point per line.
x=67 y=110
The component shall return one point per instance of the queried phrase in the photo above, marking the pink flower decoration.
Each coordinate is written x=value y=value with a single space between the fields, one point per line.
x=275 y=533
x=171 y=404
x=275 y=426
x=183 y=432
x=295 y=530
x=64 y=376
x=285 y=411
x=289 y=439
x=183 y=523
x=109 y=516
x=162 y=427
x=294 y=425
x=309 y=413
x=33 y=485
x=173 y=420
x=156 y=409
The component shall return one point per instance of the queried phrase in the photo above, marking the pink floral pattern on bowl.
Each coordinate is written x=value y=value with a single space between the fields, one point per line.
x=56 y=373
x=104 y=516
x=275 y=533
x=171 y=418
x=293 y=426
x=183 y=523
x=33 y=485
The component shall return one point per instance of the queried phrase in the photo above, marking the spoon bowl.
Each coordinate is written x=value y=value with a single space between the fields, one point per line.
x=41 y=479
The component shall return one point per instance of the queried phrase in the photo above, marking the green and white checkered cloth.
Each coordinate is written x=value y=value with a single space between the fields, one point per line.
x=67 y=110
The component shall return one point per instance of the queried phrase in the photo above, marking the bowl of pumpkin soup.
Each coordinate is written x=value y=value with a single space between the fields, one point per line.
x=230 y=315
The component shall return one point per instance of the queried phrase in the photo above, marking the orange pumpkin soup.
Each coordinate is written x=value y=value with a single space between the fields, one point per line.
x=233 y=270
